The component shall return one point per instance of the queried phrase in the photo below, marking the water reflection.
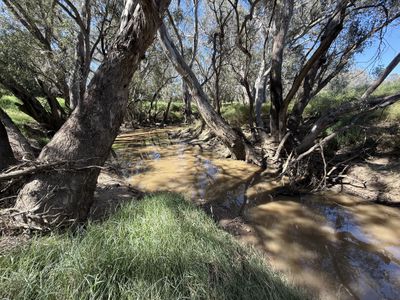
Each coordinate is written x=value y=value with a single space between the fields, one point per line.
x=327 y=248
x=335 y=245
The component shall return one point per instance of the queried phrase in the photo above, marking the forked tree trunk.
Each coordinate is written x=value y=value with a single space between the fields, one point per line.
x=308 y=74
x=87 y=136
x=235 y=141
x=6 y=154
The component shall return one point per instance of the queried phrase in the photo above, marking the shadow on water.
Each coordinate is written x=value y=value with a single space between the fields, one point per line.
x=339 y=251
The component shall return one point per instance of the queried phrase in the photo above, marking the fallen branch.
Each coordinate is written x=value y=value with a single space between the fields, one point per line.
x=42 y=167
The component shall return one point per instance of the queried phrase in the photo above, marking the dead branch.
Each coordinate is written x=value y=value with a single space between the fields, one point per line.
x=322 y=183
x=280 y=147
x=42 y=167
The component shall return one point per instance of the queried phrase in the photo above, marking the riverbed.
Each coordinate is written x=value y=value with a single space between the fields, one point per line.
x=336 y=245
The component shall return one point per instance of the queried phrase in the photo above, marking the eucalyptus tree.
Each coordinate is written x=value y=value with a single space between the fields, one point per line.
x=62 y=40
x=234 y=140
x=184 y=22
x=299 y=46
x=85 y=139
x=20 y=65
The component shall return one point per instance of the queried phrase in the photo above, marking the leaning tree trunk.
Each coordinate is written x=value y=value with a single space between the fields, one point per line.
x=87 y=136
x=6 y=154
x=235 y=141
x=19 y=144
x=365 y=104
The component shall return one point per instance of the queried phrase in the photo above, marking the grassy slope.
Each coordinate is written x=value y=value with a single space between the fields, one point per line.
x=158 y=248
x=9 y=104
x=327 y=100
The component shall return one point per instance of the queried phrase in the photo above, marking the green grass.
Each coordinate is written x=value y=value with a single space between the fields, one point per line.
x=392 y=113
x=327 y=100
x=158 y=248
x=10 y=106
x=388 y=88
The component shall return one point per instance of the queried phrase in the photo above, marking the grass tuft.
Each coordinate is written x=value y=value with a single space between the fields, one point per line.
x=158 y=248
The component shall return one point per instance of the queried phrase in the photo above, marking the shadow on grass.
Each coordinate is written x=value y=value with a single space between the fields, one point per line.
x=158 y=248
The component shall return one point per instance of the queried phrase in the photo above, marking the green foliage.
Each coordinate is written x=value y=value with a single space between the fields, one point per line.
x=158 y=248
x=392 y=113
x=388 y=88
x=237 y=114
x=351 y=137
x=327 y=100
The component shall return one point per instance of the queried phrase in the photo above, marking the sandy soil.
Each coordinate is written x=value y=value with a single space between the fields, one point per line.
x=376 y=177
x=112 y=190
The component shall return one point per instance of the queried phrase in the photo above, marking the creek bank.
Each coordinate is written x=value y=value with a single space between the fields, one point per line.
x=376 y=179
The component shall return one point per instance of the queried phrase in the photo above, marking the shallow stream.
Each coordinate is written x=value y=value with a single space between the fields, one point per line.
x=336 y=245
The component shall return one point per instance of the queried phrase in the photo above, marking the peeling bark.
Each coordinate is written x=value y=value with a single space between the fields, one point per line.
x=87 y=136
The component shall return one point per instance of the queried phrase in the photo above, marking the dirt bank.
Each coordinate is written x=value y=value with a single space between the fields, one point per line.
x=376 y=178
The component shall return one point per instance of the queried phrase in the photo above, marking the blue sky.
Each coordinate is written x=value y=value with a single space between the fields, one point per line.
x=388 y=49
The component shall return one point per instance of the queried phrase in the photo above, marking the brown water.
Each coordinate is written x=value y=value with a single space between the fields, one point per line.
x=337 y=246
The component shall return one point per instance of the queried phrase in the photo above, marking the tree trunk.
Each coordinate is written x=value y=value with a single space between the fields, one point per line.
x=6 y=154
x=166 y=112
x=362 y=106
x=20 y=146
x=217 y=93
x=284 y=11
x=235 y=141
x=58 y=114
x=87 y=136
x=250 y=98
x=187 y=101
x=260 y=95
x=30 y=105
x=81 y=70
x=309 y=72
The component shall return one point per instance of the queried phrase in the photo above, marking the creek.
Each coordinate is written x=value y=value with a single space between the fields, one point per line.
x=336 y=245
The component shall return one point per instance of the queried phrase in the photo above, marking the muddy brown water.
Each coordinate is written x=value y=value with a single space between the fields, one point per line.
x=336 y=245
